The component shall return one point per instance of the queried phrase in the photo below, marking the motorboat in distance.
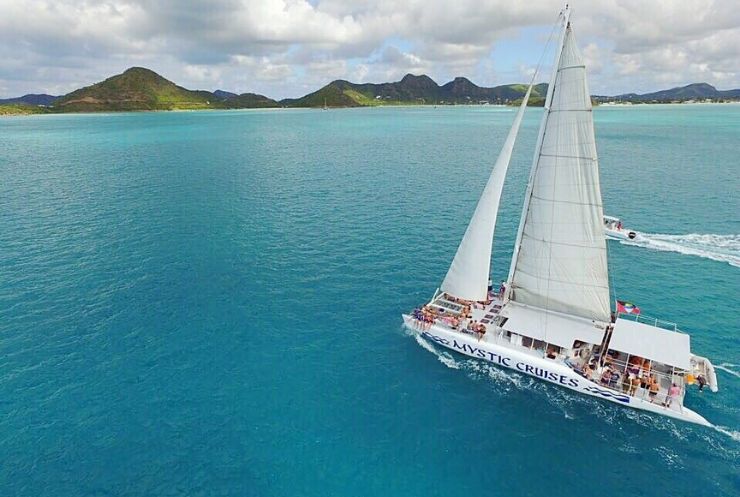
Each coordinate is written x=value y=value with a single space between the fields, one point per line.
x=614 y=230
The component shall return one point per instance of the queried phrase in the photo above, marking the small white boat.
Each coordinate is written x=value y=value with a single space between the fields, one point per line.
x=552 y=319
x=613 y=229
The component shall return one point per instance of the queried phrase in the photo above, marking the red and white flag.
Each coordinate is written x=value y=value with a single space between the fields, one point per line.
x=625 y=307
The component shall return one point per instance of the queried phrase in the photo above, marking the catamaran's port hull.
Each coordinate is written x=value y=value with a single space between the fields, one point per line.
x=541 y=368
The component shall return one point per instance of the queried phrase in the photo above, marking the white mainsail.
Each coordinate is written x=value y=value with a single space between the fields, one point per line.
x=467 y=277
x=560 y=260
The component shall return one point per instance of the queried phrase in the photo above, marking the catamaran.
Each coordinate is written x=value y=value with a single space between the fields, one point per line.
x=552 y=318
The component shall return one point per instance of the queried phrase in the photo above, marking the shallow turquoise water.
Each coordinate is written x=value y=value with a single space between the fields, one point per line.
x=209 y=304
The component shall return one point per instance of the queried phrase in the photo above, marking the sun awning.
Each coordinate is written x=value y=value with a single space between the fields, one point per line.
x=657 y=344
x=551 y=327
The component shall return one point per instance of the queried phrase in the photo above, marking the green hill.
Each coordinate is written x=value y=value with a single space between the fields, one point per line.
x=248 y=101
x=413 y=90
x=694 y=91
x=136 y=88
x=139 y=88
x=331 y=95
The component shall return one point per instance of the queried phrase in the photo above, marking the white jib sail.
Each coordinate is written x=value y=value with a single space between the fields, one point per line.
x=468 y=275
x=560 y=261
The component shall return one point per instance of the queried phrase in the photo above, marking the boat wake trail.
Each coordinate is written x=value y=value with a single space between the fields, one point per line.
x=722 y=248
x=733 y=434
x=443 y=357
x=726 y=368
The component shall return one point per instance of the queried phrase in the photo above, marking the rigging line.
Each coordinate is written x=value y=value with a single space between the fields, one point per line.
x=551 y=92
x=544 y=50
x=534 y=75
x=610 y=277
x=562 y=19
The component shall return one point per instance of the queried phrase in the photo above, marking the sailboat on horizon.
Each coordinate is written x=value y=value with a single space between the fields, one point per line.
x=552 y=319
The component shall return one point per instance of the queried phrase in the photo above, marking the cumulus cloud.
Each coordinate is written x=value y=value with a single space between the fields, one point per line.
x=285 y=47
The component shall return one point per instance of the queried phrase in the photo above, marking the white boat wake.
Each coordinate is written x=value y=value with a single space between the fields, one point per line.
x=726 y=368
x=733 y=434
x=722 y=248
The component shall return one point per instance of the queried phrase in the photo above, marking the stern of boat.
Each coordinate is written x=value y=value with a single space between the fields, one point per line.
x=702 y=366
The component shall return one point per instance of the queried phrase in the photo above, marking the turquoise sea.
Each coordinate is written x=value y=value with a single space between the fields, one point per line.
x=208 y=304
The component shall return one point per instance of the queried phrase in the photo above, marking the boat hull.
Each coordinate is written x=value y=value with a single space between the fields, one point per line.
x=621 y=234
x=551 y=371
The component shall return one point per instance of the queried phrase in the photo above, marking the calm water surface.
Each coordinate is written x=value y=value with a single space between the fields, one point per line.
x=209 y=304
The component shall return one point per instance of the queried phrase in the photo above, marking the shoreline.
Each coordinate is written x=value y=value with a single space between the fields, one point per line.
x=399 y=106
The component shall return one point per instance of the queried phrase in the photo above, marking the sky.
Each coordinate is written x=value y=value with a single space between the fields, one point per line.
x=287 y=48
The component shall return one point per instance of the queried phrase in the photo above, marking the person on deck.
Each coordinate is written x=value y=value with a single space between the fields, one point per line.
x=654 y=388
x=606 y=376
x=587 y=371
x=634 y=384
x=502 y=289
x=701 y=381
x=673 y=394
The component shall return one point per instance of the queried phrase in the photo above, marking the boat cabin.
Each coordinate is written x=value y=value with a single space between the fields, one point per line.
x=643 y=354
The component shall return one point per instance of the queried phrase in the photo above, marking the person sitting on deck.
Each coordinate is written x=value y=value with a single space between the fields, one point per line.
x=606 y=376
x=466 y=311
x=587 y=371
x=633 y=369
x=614 y=380
x=480 y=329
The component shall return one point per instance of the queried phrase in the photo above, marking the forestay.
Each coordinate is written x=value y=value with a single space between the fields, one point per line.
x=468 y=275
x=560 y=260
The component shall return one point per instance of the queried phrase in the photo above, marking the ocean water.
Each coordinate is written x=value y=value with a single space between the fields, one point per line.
x=209 y=303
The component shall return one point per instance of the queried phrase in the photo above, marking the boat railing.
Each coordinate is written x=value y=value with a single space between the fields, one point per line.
x=626 y=372
x=652 y=321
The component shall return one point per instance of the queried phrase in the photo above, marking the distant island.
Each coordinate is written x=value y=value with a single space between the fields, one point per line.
x=141 y=89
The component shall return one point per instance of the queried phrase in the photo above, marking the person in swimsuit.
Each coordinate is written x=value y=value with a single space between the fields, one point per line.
x=654 y=388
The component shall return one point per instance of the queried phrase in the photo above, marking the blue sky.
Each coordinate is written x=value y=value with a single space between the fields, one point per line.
x=286 y=48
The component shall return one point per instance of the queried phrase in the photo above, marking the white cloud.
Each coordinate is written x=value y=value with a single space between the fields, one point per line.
x=283 y=47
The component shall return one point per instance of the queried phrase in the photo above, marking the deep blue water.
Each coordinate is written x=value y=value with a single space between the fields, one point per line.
x=209 y=304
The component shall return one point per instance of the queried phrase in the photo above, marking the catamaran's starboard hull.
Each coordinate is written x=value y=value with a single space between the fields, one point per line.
x=541 y=368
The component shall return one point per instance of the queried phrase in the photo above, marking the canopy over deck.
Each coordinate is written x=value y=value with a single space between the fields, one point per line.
x=657 y=344
x=551 y=327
